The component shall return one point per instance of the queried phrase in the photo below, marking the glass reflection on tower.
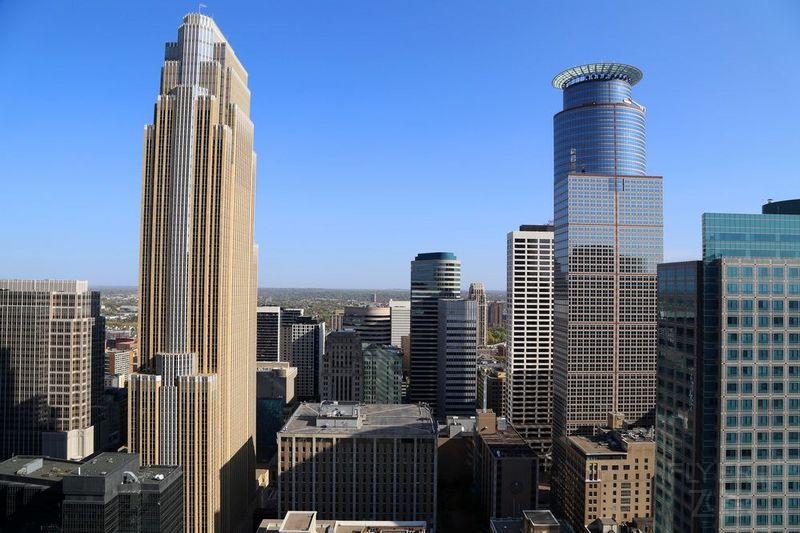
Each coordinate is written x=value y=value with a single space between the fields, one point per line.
x=608 y=242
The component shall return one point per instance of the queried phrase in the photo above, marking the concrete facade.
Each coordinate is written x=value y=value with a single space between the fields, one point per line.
x=375 y=462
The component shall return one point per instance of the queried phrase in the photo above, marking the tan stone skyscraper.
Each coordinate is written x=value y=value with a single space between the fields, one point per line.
x=197 y=281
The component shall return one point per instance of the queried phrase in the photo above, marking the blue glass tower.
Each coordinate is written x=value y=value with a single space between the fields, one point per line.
x=601 y=130
x=434 y=276
x=608 y=242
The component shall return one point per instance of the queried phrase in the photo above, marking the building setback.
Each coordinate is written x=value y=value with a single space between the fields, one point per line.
x=458 y=358
x=49 y=357
x=195 y=395
x=376 y=462
x=608 y=241
x=434 y=276
x=529 y=338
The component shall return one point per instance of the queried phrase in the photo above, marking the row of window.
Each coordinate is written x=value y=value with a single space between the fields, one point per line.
x=763 y=272
x=746 y=421
x=764 y=288
x=763 y=338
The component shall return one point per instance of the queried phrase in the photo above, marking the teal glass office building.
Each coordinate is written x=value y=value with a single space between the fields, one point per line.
x=746 y=440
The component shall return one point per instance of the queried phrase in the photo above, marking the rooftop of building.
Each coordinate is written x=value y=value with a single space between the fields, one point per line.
x=44 y=285
x=106 y=462
x=458 y=426
x=308 y=320
x=613 y=442
x=536 y=227
x=35 y=467
x=436 y=256
x=354 y=419
x=370 y=310
x=597 y=71
x=306 y=522
x=282 y=368
x=505 y=525
x=53 y=470
x=507 y=443
x=782 y=207
x=540 y=518
x=500 y=437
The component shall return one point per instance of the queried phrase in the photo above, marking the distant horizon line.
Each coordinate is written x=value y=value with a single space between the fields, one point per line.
x=284 y=288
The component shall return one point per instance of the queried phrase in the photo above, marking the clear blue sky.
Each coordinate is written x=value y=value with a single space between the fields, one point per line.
x=385 y=128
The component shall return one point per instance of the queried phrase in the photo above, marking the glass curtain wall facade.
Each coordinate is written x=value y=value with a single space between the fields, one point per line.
x=678 y=502
x=608 y=241
x=751 y=373
x=434 y=276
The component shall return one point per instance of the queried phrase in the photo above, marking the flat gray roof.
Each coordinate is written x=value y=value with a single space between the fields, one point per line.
x=506 y=525
x=378 y=420
x=50 y=470
x=298 y=520
x=541 y=518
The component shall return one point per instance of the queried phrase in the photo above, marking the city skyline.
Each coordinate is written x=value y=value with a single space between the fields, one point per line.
x=456 y=99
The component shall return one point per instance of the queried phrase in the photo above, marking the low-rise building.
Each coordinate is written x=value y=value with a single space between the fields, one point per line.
x=506 y=468
x=531 y=522
x=109 y=492
x=610 y=475
x=344 y=460
x=306 y=522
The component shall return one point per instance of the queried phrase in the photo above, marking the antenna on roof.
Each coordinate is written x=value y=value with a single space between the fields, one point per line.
x=200 y=8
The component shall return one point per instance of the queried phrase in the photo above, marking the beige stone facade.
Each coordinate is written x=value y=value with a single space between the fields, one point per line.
x=609 y=476
x=198 y=280
x=46 y=368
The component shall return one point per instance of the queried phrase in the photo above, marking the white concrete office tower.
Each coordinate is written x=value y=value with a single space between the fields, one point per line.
x=46 y=368
x=529 y=339
x=477 y=292
x=268 y=333
x=193 y=403
x=401 y=320
x=303 y=347
x=457 y=370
